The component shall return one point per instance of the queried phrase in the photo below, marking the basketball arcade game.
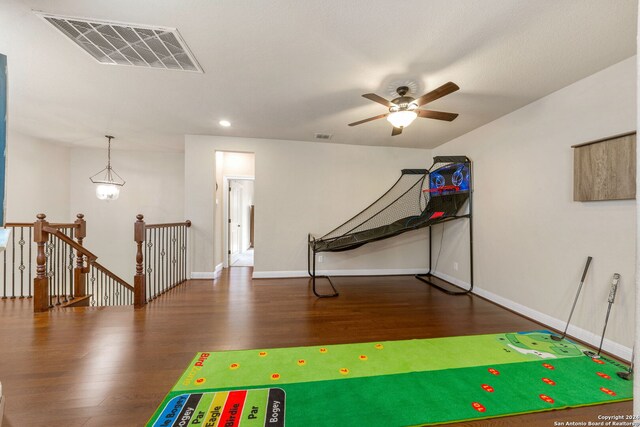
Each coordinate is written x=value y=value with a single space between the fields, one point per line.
x=406 y=206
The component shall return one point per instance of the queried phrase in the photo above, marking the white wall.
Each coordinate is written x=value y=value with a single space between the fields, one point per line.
x=37 y=180
x=154 y=187
x=531 y=239
x=302 y=187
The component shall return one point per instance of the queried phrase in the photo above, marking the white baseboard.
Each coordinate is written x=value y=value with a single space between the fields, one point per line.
x=365 y=272
x=218 y=270
x=582 y=334
x=203 y=274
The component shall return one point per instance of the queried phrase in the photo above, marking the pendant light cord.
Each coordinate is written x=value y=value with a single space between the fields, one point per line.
x=109 y=176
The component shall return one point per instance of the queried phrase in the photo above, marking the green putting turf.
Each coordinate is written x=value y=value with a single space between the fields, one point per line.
x=390 y=383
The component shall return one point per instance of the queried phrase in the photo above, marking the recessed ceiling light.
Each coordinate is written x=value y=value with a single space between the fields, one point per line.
x=225 y=123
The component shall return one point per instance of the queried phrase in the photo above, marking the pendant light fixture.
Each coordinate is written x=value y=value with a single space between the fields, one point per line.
x=107 y=181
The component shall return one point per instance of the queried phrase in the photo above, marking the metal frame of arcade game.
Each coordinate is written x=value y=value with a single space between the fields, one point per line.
x=312 y=271
x=426 y=276
x=404 y=207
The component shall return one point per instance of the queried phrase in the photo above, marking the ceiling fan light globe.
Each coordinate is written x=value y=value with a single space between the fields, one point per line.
x=107 y=191
x=401 y=119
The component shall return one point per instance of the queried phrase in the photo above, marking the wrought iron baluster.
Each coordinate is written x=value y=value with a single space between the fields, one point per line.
x=4 y=275
x=178 y=254
x=174 y=259
x=109 y=290
x=180 y=268
x=180 y=260
x=107 y=279
x=162 y=277
x=165 y=259
x=172 y=281
x=101 y=292
x=13 y=262
x=156 y=262
x=63 y=268
x=70 y=266
x=49 y=272
x=169 y=275
x=30 y=261
x=186 y=251
x=93 y=285
x=56 y=271
x=148 y=264
x=99 y=296
x=49 y=260
x=21 y=267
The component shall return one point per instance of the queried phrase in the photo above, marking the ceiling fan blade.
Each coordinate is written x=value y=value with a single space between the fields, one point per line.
x=377 y=98
x=396 y=131
x=438 y=115
x=369 y=119
x=443 y=90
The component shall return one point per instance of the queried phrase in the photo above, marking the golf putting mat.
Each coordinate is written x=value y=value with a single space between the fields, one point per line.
x=390 y=383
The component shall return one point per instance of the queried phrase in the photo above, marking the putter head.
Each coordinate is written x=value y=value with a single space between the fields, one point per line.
x=556 y=338
x=591 y=354
x=626 y=375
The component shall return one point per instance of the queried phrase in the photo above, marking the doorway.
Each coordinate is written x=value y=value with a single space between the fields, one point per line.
x=234 y=219
x=240 y=229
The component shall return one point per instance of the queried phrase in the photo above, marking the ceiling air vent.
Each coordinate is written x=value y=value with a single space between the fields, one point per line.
x=117 y=43
x=324 y=136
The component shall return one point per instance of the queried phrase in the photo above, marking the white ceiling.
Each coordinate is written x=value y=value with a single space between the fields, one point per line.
x=287 y=69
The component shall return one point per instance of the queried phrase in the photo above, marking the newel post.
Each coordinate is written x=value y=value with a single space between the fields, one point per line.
x=79 y=272
x=139 y=285
x=41 y=281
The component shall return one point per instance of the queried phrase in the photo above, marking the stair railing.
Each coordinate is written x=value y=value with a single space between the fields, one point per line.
x=161 y=258
x=18 y=263
x=43 y=289
x=65 y=273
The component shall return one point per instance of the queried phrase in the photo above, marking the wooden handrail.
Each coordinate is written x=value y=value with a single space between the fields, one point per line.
x=90 y=256
x=108 y=272
x=30 y=224
x=169 y=224
x=70 y=242
x=62 y=225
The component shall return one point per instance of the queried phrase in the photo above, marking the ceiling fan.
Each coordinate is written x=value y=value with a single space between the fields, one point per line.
x=404 y=109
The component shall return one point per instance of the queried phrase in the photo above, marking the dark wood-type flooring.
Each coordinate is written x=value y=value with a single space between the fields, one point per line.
x=113 y=366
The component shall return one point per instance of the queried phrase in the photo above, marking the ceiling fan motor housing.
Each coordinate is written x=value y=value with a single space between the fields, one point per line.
x=403 y=103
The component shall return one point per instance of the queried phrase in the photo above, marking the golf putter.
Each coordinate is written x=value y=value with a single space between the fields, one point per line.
x=611 y=299
x=628 y=374
x=584 y=275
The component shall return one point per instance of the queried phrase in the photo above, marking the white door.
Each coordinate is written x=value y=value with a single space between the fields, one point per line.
x=235 y=220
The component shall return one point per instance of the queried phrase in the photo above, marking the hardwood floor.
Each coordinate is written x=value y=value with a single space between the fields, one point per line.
x=113 y=366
